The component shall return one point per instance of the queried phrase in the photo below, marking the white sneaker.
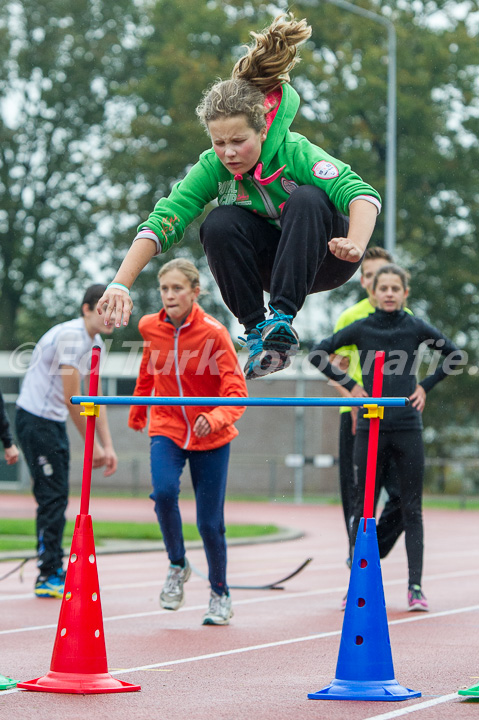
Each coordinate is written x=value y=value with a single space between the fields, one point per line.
x=172 y=596
x=219 y=611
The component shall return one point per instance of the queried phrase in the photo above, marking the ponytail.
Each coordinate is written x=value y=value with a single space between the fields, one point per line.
x=264 y=68
x=268 y=62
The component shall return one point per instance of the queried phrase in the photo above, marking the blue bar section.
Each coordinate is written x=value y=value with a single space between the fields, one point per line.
x=239 y=402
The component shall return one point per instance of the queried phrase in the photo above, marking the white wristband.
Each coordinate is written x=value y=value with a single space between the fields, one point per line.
x=119 y=286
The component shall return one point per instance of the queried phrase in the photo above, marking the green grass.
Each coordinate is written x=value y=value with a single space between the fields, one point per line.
x=19 y=534
x=451 y=502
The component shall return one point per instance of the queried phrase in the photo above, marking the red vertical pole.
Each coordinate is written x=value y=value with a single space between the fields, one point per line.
x=373 y=439
x=90 y=434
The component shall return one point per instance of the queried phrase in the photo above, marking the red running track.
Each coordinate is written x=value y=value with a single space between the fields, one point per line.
x=280 y=645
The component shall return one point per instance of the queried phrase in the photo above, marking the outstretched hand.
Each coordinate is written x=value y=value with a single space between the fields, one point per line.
x=115 y=304
x=346 y=249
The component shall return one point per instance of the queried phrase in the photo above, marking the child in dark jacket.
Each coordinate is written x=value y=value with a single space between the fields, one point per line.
x=399 y=334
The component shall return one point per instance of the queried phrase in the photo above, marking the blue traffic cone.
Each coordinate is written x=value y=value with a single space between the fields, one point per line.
x=365 y=667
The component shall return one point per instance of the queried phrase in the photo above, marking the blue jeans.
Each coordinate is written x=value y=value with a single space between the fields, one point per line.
x=209 y=471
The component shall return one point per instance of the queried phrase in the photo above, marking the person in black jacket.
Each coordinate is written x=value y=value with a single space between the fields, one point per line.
x=399 y=334
x=10 y=449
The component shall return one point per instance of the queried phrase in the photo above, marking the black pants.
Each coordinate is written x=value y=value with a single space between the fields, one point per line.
x=247 y=255
x=390 y=524
x=46 y=448
x=405 y=448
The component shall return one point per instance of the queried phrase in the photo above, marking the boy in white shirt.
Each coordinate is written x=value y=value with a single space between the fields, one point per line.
x=60 y=361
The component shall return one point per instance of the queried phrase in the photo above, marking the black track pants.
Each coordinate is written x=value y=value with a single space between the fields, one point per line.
x=46 y=449
x=406 y=448
x=248 y=255
x=390 y=524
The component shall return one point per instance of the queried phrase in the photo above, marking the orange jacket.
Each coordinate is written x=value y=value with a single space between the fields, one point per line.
x=196 y=359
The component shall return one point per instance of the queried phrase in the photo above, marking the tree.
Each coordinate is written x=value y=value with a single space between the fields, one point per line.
x=60 y=62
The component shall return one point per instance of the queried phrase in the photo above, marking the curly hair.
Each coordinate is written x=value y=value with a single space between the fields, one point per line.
x=264 y=68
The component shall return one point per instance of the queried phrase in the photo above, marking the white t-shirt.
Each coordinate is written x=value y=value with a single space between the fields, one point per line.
x=42 y=389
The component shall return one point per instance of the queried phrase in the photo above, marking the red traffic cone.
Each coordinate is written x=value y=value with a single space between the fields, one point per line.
x=79 y=663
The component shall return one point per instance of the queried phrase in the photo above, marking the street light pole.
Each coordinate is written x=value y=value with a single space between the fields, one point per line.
x=390 y=194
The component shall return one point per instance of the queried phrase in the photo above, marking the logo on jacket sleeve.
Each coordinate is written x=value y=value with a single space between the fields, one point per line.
x=325 y=170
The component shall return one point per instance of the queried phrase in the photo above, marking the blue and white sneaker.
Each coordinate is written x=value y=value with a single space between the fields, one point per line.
x=280 y=339
x=50 y=586
x=271 y=344
x=254 y=344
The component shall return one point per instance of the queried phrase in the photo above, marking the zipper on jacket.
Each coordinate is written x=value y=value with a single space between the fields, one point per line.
x=268 y=203
x=180 y=388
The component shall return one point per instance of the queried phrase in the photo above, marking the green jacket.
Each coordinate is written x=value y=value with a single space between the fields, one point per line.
x=287 y=160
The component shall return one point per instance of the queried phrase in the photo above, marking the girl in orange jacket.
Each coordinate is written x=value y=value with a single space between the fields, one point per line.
x=188 y=353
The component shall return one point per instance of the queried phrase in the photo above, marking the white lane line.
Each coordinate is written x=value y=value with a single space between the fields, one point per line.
x=332 y=633
x=291 y=641
x=414 y=708
x=430 y=616
x=273 y=598
x=210 y=656
x=158 y=583
x=225 y=653
x=191 y=608
x=29 y=628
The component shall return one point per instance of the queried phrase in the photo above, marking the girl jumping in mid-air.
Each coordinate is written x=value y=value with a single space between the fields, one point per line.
x=280 y=225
